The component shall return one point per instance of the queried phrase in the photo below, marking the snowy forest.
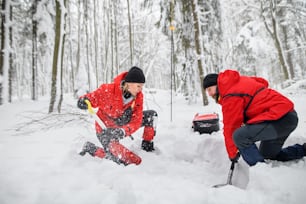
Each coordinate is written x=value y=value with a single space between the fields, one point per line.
x=53 y=47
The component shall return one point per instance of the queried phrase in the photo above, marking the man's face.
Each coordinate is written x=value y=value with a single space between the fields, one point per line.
x=212 y=91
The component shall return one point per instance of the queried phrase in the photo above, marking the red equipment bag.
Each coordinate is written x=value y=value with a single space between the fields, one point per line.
x=206 y=123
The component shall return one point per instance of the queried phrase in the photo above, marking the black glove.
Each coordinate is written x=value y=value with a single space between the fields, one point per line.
x=81 y=103
x=236 y=158
x=125 y=118
x=147 y=146
x=110 y=134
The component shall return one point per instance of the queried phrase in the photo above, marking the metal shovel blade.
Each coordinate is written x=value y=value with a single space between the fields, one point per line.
x=229 y=178
x=220 y=185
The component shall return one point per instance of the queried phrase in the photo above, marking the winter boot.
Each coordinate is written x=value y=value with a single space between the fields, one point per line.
x=93 y=150
x=147 y=146
x=304 y=147
x=292 y=152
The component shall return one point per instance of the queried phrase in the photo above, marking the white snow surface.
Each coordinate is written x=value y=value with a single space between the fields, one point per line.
x=40 y=162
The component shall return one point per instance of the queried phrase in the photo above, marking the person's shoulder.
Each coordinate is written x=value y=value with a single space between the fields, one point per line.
x=106 y=87
x=120 y=77
x=227 y=79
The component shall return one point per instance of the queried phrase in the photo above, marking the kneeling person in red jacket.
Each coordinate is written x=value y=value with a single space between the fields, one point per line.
x=120 y=108
x=254 y=112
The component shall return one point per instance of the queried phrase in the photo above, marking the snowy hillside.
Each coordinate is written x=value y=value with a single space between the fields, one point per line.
x=40 y=164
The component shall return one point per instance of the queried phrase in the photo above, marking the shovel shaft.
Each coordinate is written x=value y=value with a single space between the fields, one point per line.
x=230 y=174
x=94 y=114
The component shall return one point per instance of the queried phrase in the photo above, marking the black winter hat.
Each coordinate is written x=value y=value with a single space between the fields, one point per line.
x=210 y=80
x=135 y=75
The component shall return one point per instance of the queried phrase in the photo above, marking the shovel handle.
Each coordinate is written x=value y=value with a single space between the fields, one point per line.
x=230 y=173
x=90 y=109
x=94 y=114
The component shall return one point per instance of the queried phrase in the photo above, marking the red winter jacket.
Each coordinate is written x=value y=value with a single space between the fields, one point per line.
x=108 y=98
x=236 y=93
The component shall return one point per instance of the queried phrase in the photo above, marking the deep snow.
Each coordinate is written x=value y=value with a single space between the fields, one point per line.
x=40 y=164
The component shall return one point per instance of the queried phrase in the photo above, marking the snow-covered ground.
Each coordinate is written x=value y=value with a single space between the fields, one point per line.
x=40 y=164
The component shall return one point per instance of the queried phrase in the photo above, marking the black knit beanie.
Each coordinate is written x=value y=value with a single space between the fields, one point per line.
x=210 y=80
x=135 y=75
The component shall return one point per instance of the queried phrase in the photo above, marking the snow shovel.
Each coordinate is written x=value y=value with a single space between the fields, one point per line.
x=115 y=148
x=229 y=178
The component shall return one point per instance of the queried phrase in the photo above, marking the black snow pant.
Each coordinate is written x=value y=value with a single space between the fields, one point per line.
x=272 y=136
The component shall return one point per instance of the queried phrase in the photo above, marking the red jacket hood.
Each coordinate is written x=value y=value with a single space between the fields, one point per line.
x=229 y=78
x=119 y=78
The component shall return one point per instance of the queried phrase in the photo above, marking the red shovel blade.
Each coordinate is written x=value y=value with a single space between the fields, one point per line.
x=124 y=154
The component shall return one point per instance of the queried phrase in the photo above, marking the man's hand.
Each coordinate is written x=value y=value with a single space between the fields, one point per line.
x=236 y=158
x=81 y=103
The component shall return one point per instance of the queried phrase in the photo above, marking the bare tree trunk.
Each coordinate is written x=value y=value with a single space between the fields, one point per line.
x=72 y=74
x=288 y=55
x=130 y=33
x=78 y=51
x=275 y=36
x=11 y=67
x=112 y=38
x=63 y=22
x=116 y=37
x=107 y=40
x=189 y=75
x=55 y=56
x=285 y=30
x=87 y=43
x=280 y=52
x=34 y=50
x=2 y=48
x=198 y=50
x=96 y=42
x=5 y=52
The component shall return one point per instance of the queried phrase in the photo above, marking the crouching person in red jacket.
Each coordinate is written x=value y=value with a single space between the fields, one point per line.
x=254 y=112
x=120 y=108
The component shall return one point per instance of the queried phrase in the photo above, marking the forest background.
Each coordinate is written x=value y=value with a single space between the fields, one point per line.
x=53 y=47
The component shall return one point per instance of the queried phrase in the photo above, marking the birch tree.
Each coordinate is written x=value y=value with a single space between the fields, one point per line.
x=12 y=69
x=189 y=74
x=63 y=37
x=58 y=43
x=2 y=49
x=130 y=32
x=198 y=43
x=292 y=17
x=34 y=50
x=5 y=51
x=269 y=10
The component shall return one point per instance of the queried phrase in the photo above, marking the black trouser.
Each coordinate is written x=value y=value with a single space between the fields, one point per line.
x=272 y=136
x=149 y=117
